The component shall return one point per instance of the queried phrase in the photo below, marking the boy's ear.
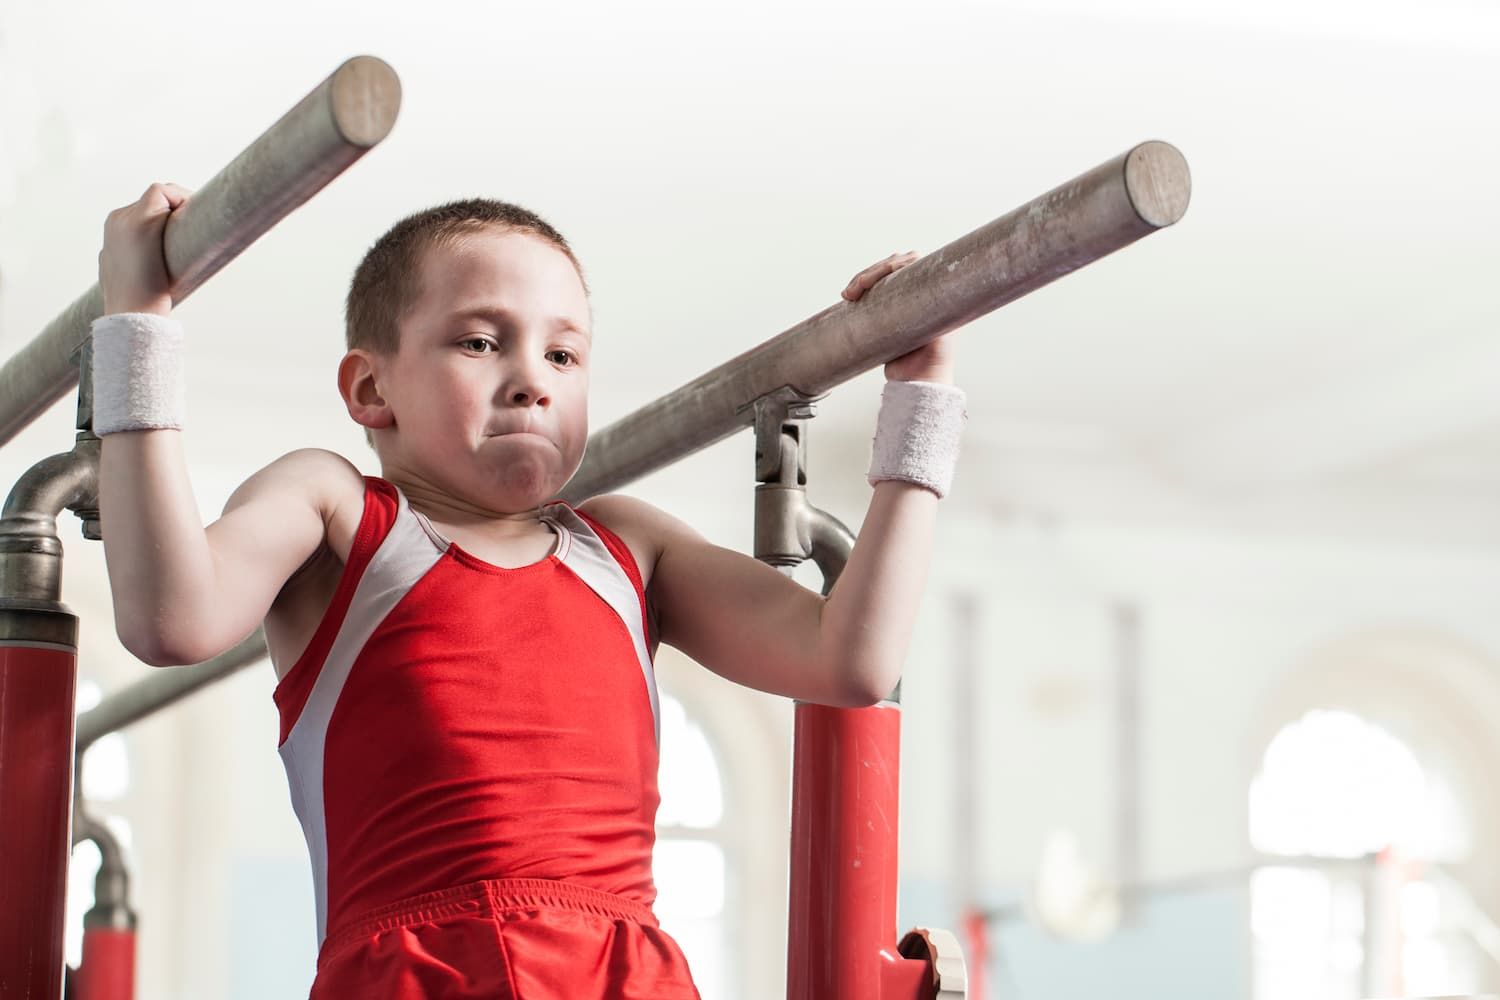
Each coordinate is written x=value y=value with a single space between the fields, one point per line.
x=357 y=384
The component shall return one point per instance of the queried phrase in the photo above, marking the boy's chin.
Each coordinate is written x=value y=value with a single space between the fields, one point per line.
x=528 y=490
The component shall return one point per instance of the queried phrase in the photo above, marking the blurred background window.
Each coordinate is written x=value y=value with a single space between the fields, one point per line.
x=692 y=860
x=1353 y=901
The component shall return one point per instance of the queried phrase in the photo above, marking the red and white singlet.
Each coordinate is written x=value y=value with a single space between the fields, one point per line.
x=458 y=727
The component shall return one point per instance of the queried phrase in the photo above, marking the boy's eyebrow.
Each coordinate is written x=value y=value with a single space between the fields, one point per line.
x=493 y=313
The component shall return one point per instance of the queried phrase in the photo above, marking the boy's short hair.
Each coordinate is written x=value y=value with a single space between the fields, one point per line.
x=387 y=280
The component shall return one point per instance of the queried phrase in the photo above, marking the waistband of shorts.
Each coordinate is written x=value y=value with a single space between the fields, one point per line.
x=489 y=897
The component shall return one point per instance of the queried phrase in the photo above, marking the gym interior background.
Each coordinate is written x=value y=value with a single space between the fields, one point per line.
x=1201 y=702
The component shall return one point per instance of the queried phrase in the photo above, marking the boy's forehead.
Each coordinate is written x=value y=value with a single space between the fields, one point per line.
x=497 y=313
x=491 y=273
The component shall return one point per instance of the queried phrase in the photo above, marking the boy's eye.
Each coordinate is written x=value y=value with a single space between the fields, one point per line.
x=564 y=358
x=479 y=345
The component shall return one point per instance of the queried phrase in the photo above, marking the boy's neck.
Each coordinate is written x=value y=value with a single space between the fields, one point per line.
x=445 y=509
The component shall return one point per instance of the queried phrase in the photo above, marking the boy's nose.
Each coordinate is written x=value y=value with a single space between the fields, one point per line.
x=526 y=387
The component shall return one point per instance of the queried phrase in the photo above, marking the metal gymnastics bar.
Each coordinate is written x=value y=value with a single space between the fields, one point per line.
x=1089 y=217
x=326 y=132
x=336 y=124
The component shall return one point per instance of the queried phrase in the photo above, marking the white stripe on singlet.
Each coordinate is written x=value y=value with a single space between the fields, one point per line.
x=584 y=552
x=403 y=558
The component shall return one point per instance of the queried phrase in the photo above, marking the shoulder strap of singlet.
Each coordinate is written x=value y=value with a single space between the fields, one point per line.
x=619 y=550
x=382 y=504
x=390 y=552
x=599 y=558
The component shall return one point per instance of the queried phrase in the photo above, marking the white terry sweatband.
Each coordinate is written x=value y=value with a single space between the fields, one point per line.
x=138 y=379
x=916 y=434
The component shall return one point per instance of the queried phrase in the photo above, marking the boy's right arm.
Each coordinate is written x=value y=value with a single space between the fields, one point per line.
x=183 y=593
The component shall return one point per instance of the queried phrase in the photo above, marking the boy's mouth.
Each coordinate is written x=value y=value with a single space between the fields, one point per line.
x=500 y=430
x=517 y=432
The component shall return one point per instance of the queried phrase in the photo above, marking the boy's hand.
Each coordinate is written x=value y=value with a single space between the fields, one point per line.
x=132 y=265
x=930 y=363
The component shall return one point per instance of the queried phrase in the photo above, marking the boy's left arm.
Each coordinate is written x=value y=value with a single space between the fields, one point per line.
x=753 y=625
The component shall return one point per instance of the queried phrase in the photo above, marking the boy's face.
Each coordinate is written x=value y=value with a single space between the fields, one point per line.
x=489 y=386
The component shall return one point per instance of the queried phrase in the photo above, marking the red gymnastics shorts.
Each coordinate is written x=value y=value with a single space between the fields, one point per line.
x=504 y=939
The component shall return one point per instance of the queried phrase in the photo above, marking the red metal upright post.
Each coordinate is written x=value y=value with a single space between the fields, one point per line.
x=842 y=928
x=108 y=968
x=845 y=767
x=36 y=789
x=107 y=971
x=976 y=944
x=38 y=671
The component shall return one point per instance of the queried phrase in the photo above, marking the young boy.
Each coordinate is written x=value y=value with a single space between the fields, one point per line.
x=464 y=668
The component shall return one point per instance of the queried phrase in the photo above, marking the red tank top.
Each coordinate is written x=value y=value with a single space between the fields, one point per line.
x=452 y=720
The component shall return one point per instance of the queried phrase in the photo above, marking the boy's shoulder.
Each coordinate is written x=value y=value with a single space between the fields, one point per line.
x=646 y=529
x=614 y=506
x=315 y=479
x=315 y=470
x=625 y=514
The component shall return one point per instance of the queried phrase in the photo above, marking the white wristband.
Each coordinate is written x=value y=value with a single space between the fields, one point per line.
x=916 y=434
x=138 y=379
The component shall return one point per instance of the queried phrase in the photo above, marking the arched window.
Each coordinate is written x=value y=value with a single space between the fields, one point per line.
x=692 y=852
x=1353 y=902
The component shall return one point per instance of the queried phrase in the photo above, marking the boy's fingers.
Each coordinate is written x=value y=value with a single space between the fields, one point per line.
x=176 y=194
x=875 y=272
x=163 y=194
x=866 y=279
x=153 y=195
x=871 y=274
